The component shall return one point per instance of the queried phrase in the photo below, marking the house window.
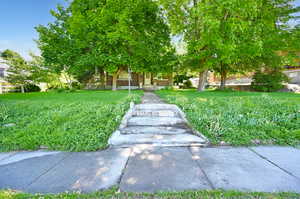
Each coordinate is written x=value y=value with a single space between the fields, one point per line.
x=1 y=72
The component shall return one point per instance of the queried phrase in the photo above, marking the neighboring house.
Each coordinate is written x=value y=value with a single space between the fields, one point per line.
x=293 y=72
x=4 y=85
x=244 y=82
x=239 y=82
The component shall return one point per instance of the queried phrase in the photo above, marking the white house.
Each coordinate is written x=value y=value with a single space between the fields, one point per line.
x=4 y=86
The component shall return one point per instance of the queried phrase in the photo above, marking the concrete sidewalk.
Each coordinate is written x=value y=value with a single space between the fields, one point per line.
x=146 y=168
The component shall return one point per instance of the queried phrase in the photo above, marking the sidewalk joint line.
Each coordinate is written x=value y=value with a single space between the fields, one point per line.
x=42 y=174
x=125 y=166
x=205 y=175
x=273 y=163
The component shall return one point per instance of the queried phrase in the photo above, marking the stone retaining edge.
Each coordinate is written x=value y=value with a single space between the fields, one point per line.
x=183 y=116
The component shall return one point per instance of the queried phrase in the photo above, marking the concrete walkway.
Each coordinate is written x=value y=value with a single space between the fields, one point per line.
x=156 y=123
x=153 y=167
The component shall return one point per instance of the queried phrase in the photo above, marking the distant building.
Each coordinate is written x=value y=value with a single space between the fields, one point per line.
x=293 y=72
x=4 y=85
x=146 y=81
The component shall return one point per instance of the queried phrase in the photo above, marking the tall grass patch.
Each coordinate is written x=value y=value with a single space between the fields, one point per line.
x=80 y=121
x=241 y=118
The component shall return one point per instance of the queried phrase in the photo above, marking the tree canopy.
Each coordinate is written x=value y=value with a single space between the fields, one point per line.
x=107 y=34
x=231 y=35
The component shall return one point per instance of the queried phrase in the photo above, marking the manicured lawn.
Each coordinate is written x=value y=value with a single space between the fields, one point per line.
x=241 y=118
x=79 y=121
x=114 y=193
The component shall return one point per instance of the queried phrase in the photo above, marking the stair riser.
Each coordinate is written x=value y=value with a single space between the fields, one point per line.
x=161 y=145
x=155 y=107
x=156 y=123
x=146 y=113
x=159 y=131
x=174 y=140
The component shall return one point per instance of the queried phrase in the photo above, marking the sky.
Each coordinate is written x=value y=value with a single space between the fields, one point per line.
x=18 y=19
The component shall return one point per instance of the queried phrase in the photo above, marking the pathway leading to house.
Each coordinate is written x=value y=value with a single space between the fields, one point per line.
x=138 y=164
x=156 y=123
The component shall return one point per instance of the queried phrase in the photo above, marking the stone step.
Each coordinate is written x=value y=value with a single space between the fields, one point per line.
x=159 y=130
x=155 y=113
x=156 y=107
x=155 y=121
x=121 y=140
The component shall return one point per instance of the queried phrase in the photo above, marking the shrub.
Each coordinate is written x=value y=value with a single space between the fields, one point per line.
x=31 y=88
x=179 y=79
x=76 y=85
x=63 y=90
x=187 y=84
x=268 y=81
x=168 y=88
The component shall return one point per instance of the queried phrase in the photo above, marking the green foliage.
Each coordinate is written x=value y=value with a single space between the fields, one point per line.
x=73 y=121
x=268 y=81
x=76 y=85
x=38 y=72
x=21 y=72
x=31 y=88
x=241 y=118
x=18 y=71
x=232 y=36
x=180 y=78
x=293 y=47
x=65 y=89
x=9 y=54
x=187 y=84
x=110 y=35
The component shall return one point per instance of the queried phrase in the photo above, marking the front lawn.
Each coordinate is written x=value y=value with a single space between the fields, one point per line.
x=78 y=121
x=241 y=118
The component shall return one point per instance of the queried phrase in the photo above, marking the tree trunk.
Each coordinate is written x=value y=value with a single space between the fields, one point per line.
x=22 y=89
x=223 y=79
x=102 y=79
x=202 y=80
x=141 y=80
x=115 y=80
x=170 y=79
x=152 y=78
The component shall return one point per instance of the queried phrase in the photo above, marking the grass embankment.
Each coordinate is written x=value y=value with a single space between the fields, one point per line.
x=115 y=194
x=241 y=118
x=79 y=121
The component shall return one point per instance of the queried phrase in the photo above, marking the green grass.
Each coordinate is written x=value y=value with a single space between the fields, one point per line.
x=113 y=193
x=241 y=118
x=78 y=121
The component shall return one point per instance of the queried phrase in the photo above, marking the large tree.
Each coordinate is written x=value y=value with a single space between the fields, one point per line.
x=108 y=35
x=230 y=35
x=22 y=72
